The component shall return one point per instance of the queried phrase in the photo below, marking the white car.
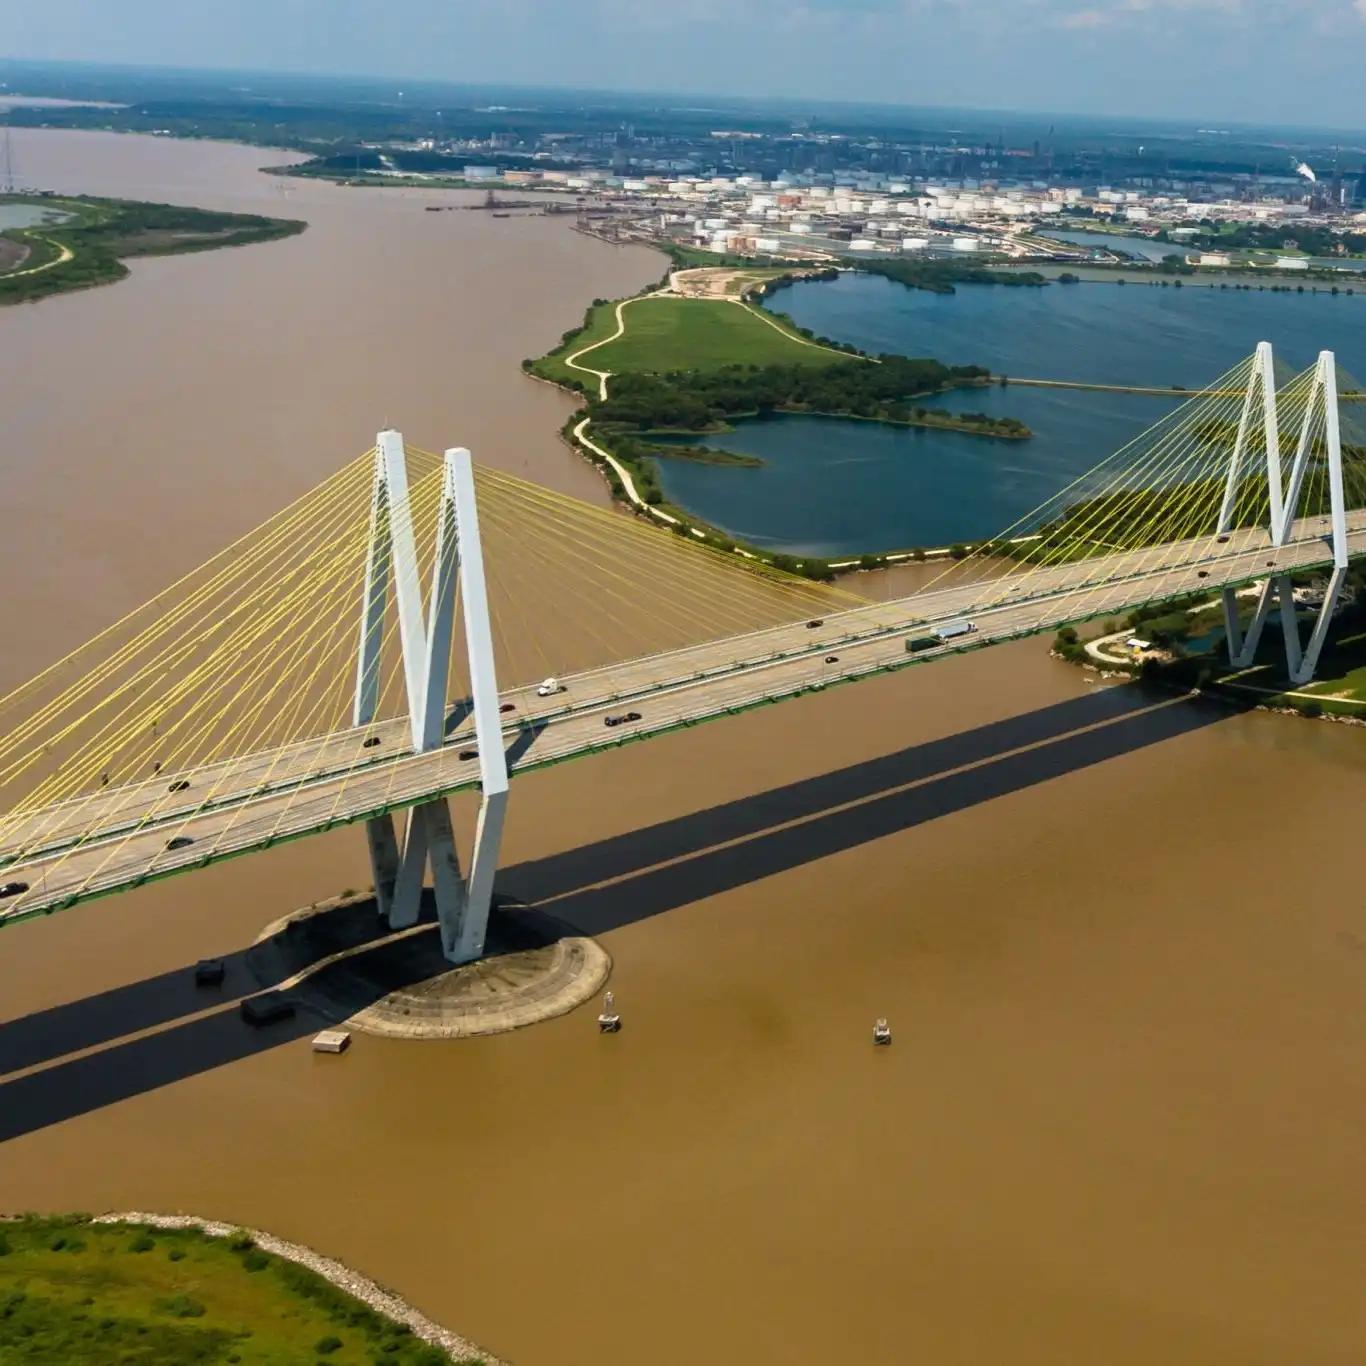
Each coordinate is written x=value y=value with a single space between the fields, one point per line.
x=550 y=687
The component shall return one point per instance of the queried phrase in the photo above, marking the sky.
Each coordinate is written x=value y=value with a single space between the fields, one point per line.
x=1261 y=61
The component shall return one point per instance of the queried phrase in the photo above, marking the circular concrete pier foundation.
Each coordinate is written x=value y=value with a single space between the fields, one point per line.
x=341 y=960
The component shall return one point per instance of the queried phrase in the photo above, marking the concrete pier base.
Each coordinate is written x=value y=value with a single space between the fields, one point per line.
x=345 y=964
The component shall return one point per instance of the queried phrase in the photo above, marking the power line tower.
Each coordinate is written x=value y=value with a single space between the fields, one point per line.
x=7 y=165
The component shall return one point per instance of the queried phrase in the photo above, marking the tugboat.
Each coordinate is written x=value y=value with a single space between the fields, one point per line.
x=882 y=1033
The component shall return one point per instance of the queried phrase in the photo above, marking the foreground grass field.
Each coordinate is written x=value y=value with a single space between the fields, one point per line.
x=668 y=333
x=72 y=1292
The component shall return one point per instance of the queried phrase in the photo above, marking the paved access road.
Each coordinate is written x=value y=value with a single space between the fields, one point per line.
x=119 y=837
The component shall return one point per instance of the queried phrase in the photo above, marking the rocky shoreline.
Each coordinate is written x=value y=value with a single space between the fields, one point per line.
x=370 y=1294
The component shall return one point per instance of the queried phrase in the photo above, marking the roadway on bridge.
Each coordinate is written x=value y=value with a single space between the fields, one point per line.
x=119 y=837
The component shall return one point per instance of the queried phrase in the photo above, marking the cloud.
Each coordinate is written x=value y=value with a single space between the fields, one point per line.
x=1085 y=18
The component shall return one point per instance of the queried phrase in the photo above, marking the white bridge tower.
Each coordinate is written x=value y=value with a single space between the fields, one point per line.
x=1284 y=493
x=462 y=903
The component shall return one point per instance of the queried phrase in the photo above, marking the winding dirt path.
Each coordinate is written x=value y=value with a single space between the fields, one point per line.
x=602 y=376
x=64 y=254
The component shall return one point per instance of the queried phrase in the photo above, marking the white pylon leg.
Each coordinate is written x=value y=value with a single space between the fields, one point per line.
x=462 y=907
x=1261 y=390
x=1301 y=661
x=1242 y=647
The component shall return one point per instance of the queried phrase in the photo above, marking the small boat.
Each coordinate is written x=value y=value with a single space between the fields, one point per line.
x=609 y=1022
x=882 y=1033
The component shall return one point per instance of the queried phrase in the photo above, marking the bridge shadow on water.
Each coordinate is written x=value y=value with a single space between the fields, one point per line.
x=599 y=887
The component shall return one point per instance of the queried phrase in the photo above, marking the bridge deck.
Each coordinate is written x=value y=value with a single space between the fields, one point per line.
x=118 y=837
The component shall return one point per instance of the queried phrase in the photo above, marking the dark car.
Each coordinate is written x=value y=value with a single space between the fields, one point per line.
x=179 y=785
x=370 y=743
x=832 y=659
x=1223 y=540
x=622 y=719
x=811 y=625
x=13 y=888
x=507 y=707
x=468 y=754
x=1202 y=574
x=179 y=842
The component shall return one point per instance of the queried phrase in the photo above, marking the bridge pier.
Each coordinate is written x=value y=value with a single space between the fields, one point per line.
x=399 y=869
x=1301 y=660
x=379 y=835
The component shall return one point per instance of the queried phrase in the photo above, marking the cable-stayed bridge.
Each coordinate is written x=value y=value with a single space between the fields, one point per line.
x=340 y=663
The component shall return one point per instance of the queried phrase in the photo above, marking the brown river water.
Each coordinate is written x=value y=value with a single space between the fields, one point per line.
x=1118 y=938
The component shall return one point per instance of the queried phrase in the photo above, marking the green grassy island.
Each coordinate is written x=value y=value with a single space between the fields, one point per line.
x=74 y=1291
x=60 y=243
x=696 y=355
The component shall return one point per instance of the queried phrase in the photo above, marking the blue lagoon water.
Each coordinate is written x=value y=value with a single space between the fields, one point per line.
x=835 y=487
x=29 y=215
x=1142 y=247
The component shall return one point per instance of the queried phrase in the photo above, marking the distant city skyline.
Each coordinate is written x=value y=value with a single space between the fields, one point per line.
x=1277 y=61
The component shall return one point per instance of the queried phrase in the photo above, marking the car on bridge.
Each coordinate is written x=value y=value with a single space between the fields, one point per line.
x=550 y=687
x=622 y=719
x=13 y=888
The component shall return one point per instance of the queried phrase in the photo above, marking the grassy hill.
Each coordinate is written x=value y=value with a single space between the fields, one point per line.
x=666 y=333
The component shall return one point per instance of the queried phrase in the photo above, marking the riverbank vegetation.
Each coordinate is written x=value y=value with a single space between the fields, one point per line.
x=90 y=246
x=706 y=400
x=940 y=277
x=630 y=449
x=1187 y=649
x=74 y=1291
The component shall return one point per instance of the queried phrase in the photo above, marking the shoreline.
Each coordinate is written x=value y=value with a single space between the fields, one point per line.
x=621 y=479
x=354 y=1283
x=92 y=246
